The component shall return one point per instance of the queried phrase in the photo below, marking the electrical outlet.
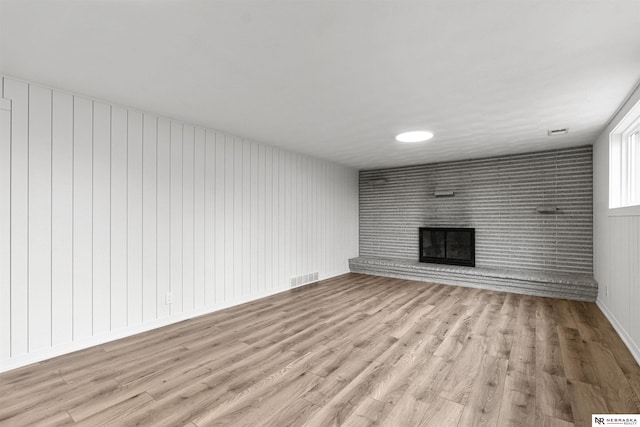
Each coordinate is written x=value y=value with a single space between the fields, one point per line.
x=169 y=297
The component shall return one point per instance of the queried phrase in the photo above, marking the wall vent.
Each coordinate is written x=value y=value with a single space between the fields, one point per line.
x=304 y=279
x=555 y=132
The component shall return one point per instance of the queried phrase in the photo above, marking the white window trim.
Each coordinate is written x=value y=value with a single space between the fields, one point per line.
x=625 y=211
x=624 y=181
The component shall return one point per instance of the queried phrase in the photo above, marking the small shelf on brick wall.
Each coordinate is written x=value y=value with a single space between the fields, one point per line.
x=547 y=209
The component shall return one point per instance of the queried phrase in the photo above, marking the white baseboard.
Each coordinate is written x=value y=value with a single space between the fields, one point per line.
x=633 y=347
x=48 y=353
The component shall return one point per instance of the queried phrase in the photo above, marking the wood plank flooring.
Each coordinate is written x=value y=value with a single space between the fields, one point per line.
x=356 y=350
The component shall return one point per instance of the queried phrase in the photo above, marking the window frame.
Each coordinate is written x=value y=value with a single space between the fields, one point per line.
x=624 y=165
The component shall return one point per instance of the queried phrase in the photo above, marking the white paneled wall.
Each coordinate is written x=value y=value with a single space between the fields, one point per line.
x=5 y=229
x=104 y=210
x=616 y=253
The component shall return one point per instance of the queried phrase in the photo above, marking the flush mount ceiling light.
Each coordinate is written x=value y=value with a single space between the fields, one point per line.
x=414 y=136
x=555 y=132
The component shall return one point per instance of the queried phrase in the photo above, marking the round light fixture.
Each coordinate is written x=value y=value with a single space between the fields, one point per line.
x=414 y=136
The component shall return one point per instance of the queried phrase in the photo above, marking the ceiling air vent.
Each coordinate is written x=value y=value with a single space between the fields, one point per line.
x=556 y=132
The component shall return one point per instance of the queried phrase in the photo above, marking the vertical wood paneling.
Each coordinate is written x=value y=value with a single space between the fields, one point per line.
x=296 y=195
x=309 y=229
x=269 y=246
x=308 y=215
x=101 y=218
x=299 y=200
x=134 y=218
x=188 y=161
x=82 y=218
x=149 y=212
x=284 y=221
x=18 y=93
x=318 y=217
x=311 y=226
x=214 y=218
x=620 y=243
x=39 y=218
x=254 y=232
x=5 y=229
x=261 y=213
x=323 y=205
x=176 y=216
x=294 y=206
x=289 y=238
x=237 y=217
x=634 y=297
x=337 y=211
x=327 y=214
x=61 y=219
x=245 y=220
x=163 y=216
x=624 y=273
x=275 y=218
x=303 y=222
x=218 y=190
x=119 y=220
x=200 y=232
x=103 y=210
x=353 y=187
x=313 y=187
x=331 y=213
x=229 y=221
x=336 y=214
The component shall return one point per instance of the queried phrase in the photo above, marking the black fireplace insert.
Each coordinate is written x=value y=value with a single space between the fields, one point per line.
x=454 y=246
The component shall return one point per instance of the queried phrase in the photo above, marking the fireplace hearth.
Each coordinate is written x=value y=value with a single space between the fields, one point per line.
x=455 y=246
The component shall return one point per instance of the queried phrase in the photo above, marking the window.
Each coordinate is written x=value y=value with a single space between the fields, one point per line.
x=624 y=161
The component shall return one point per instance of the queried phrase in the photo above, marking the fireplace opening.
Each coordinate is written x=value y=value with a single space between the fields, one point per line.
x=454 y=246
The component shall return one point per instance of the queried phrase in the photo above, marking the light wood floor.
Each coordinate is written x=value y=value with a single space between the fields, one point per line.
x=356 y=350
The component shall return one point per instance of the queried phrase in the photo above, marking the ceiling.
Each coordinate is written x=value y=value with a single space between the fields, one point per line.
x=338 y=79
